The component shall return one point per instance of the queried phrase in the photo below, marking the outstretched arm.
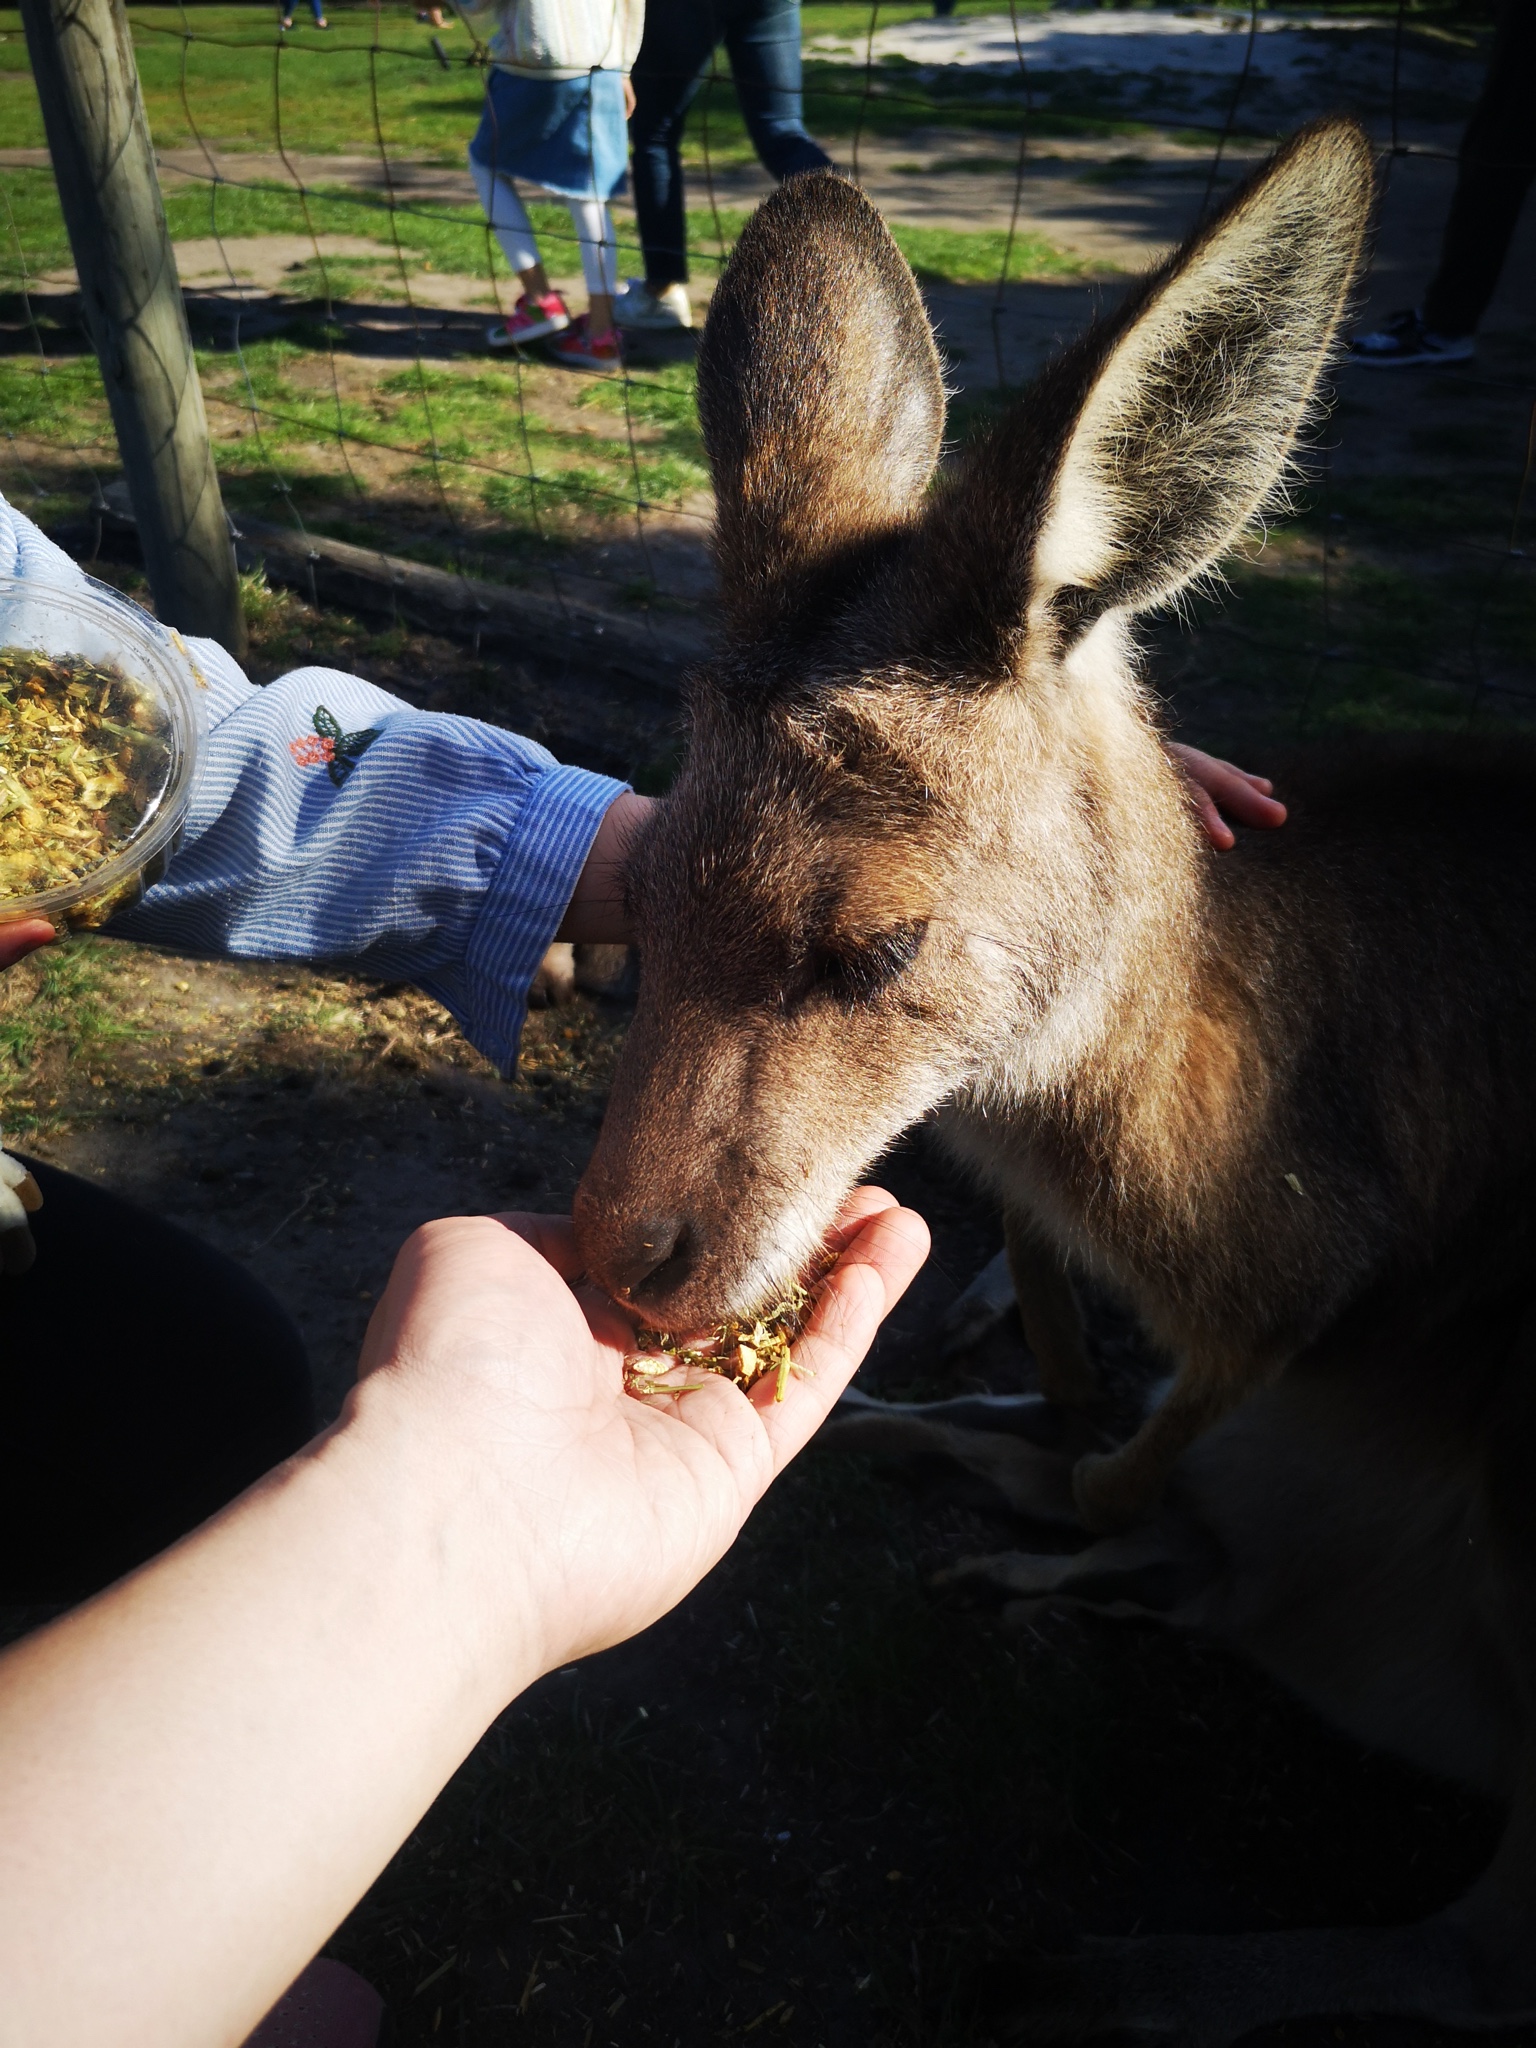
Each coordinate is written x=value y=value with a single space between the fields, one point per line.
x=203 y=1769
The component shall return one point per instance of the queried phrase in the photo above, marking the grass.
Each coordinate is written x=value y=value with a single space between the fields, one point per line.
x=57 y=1009
x=453 y=239
x=1418 y=627
x=225 y=72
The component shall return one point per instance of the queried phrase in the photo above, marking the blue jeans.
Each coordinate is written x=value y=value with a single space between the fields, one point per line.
x=762 y=40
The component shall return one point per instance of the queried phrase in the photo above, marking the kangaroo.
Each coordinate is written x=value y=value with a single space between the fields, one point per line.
x=927 y=855
x=1363 y=1531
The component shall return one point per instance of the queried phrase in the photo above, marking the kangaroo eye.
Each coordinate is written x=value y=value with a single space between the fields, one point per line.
x=858 y=973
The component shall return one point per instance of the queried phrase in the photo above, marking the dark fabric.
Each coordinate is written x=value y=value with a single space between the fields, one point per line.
x=1498 y=160
x=762 y=41
x=145 y=1380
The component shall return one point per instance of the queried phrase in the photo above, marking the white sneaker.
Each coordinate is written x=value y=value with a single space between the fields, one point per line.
x=638 y=305
x=1405 y=339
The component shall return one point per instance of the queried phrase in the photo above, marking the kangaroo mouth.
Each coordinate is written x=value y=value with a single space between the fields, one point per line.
x=749 y=1351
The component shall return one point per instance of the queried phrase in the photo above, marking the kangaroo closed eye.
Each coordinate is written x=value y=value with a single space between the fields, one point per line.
x=860 y=972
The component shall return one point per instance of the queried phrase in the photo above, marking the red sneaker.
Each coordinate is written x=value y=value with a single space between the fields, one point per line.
x=534 y=320
x=580 y=349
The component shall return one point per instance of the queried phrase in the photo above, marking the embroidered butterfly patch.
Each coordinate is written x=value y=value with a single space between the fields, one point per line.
x=328 y=746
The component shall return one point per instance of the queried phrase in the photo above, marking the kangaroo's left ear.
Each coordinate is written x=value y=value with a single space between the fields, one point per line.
x=821 y=400
x=1186 y=422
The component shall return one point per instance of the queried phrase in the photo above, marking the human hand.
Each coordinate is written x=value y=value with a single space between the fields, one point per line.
x=629 y=97
x=1216 y=786
x=600 y=1509
x=23 y=937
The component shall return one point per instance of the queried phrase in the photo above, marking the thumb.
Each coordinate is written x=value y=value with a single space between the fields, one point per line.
x=23 y=937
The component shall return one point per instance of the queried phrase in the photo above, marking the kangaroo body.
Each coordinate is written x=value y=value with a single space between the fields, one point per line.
x=927 y=854
x=1326 y=1084
x=1361 y=1530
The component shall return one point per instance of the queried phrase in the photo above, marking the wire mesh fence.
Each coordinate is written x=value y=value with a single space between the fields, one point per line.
x=341 y=277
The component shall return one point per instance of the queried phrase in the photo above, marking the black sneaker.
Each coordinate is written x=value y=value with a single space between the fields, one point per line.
x=1405 y=339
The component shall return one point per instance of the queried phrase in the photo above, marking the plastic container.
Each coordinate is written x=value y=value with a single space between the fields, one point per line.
x=93 y=623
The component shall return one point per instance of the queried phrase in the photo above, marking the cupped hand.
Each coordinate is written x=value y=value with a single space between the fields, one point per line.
x=604 y=1507
x=23 y=937
x=1216 y=787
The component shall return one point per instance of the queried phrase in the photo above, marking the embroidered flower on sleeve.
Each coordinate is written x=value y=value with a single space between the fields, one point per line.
x=331 y=748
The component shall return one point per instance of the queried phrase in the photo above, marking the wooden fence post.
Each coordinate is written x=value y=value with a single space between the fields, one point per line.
x=98 y=136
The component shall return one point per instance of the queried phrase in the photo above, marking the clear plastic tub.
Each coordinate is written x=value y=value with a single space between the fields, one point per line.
x=95 y=654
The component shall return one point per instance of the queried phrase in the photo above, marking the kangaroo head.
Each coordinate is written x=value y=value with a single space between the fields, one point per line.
x=925 y=844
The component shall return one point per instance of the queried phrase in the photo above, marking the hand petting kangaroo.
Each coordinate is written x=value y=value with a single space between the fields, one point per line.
x=927 y=855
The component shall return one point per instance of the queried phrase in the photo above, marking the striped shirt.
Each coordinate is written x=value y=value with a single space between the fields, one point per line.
x=444 y=855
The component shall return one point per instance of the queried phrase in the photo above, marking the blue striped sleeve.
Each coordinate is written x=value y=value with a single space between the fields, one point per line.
x=332 y=822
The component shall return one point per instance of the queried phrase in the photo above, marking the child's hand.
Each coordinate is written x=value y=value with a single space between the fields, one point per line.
x=24 y=937
x=1216 y=786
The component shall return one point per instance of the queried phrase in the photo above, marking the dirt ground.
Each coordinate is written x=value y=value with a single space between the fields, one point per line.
x=819 y=1805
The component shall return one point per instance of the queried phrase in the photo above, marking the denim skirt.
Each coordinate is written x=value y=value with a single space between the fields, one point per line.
x=566 y=134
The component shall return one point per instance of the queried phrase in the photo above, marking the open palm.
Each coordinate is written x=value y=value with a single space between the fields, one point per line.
x=609 y=1508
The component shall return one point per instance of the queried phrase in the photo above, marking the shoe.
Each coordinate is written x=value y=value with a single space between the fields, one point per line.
x=656 y=311
x=534 y=320
x=580 y=350
x=1405 y=339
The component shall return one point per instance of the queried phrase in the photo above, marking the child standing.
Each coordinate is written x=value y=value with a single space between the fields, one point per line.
x=556 y=103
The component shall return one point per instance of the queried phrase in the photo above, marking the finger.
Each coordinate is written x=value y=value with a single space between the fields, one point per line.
x=1250 y=805
x=1212 y=823
x=1214 y=783
x=861 y=1205
x=552 y=1237
x=23 y=937
x=873 y=1273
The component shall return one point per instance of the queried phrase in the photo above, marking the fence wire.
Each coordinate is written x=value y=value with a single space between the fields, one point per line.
x=369 y=412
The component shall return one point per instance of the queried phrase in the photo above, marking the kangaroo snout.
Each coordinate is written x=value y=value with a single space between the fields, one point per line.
x=643 y=1260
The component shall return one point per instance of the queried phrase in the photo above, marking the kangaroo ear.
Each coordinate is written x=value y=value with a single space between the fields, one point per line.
x=820 y=394
x=1203 y=384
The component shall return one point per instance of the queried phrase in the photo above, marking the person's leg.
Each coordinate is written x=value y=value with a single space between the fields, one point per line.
x=672 y=64
x=1498 y=160
x=541 y=311
x=763 y=41
x=599 y=261
x=145 y=1380
x=508 y=216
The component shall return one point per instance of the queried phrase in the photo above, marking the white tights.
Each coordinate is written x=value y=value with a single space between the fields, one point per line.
x=512 y=228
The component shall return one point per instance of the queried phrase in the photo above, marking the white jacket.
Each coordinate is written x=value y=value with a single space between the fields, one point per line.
x=560 y=38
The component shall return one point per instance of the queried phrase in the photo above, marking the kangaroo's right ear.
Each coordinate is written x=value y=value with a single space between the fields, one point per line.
x=1138 y=457
x=820 y=395
x=1186 y=429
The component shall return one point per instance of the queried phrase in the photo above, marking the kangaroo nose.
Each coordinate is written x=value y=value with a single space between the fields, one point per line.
x=652 y=1258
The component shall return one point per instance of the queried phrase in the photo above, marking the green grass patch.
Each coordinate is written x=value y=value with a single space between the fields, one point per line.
x=56 y=1011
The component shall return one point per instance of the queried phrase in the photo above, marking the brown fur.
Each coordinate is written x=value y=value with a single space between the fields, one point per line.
x=927 y=852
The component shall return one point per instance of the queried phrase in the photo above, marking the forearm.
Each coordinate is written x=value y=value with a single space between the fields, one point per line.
x=202 y=1770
